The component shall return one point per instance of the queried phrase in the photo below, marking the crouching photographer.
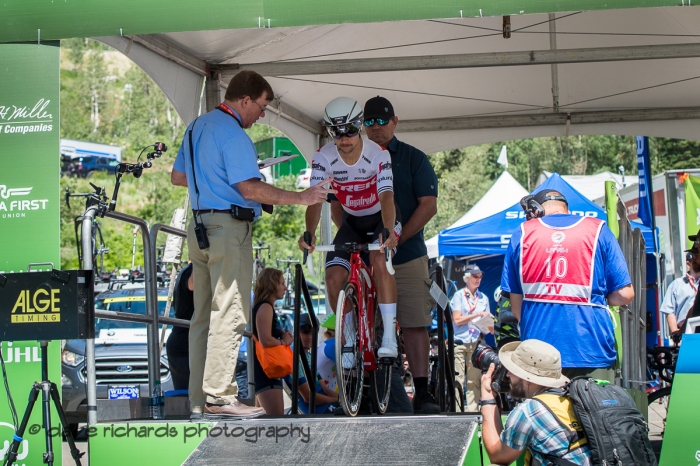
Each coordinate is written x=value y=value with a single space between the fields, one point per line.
x=534 y=369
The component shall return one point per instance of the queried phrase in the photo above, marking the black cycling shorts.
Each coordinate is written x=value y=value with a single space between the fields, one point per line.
x=360 y=230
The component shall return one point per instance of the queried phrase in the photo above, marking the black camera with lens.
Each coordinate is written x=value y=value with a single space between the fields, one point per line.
x=482 y=358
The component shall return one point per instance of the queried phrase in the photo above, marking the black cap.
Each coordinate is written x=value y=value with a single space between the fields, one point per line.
x=692 y=250
x=694 y=237
x=378 y=107
x=305 y=320
x=549 y=195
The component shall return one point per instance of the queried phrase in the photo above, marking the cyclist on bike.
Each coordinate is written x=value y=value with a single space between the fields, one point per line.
x=360 y=171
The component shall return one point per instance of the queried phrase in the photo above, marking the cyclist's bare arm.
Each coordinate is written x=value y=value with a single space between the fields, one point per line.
x=337 y=213
x=313 y=215
x=386 y=200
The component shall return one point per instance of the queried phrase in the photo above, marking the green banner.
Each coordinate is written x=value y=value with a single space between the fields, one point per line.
x=692 y=208
x=29 y=216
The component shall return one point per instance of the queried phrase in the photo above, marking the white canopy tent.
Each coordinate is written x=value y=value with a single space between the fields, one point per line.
x=504 y=192
x=592 y=186
x=454 y=82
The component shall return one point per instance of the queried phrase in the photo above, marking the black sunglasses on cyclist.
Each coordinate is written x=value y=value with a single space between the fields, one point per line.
x=349 y=130
x=306 y=329
x=380 y=121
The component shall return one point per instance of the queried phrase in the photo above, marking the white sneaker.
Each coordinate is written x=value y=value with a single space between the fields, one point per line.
x=389 y=348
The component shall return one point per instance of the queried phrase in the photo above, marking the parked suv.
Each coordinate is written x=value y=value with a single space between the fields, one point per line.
x=86 y=166
x=121 y=356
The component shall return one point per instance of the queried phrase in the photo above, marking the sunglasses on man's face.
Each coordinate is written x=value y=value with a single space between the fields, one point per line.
x=305 y=330
x=379 y=121
x=350 y=130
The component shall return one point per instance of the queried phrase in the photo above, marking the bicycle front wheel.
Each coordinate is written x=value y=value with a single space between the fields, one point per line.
x=348 y=356
x=658 y=401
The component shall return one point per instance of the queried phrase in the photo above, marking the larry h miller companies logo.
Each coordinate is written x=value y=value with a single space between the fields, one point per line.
x=26 y=119
x=17 y=202
x=5 y=438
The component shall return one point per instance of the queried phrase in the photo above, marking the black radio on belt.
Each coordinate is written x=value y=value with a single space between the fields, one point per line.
x=242 y=213
x=200 y=232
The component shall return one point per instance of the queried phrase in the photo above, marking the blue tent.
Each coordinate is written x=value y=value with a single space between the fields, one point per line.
x=491 y=235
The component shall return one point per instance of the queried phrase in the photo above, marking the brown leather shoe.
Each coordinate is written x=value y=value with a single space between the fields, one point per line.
x=235 y=410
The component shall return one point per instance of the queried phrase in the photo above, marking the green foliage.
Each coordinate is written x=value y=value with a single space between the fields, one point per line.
x=283 y=227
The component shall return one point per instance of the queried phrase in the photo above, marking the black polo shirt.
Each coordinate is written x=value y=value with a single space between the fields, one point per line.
x=183 y=302
x=414 y=177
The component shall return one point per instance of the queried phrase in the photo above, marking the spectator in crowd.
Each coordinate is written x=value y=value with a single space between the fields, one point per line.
x=468 y=305
x=218 y=163
x=326 y=391
x=680 y=294
x=415 y=194
x=562 y=271
x=177 y=345
x=534 y=369
x=268 y=330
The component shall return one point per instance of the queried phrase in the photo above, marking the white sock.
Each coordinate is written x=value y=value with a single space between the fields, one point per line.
x=387 y=310
x=389 y=338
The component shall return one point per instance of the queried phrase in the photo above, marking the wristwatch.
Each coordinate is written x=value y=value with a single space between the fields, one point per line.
x=489 y=402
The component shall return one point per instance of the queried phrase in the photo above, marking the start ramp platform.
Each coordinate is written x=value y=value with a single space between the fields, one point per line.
x=300 y=440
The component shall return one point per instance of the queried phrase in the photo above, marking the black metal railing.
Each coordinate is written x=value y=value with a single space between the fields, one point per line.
x=301 y=290
x=445 y=396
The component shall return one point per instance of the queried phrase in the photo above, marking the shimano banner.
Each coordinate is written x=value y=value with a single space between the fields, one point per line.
x=29 y=216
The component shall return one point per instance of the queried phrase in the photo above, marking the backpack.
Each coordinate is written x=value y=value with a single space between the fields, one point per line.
x=616 y=432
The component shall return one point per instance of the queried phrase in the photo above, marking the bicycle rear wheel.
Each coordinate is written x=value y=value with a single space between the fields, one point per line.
x=658 y=402
x=380 y=379
x=348 y=357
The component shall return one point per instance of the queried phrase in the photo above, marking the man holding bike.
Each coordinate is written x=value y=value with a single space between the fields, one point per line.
x=361 y=174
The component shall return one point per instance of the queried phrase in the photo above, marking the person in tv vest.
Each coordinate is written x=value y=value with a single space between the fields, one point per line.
x=562 y=271
x=545 y=423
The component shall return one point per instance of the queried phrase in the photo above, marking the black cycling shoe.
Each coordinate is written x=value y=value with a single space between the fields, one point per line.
x=425 y=404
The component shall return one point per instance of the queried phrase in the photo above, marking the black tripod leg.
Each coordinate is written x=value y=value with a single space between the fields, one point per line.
x=17 y=438
x=75 y=453
x=46 y=412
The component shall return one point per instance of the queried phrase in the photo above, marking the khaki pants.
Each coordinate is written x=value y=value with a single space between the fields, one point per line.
x=463 y=353
x=222 y=281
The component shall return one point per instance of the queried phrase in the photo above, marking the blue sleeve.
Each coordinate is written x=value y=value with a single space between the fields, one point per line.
x=510 y=278
x=329 y=349
x=179 y=164
x=669 y=304
x=240 y=158
x=425 y=181
x=616 y=274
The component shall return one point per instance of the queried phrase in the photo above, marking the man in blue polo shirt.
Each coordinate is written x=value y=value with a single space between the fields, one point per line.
x=562 y=271
x=226 y=195
x=415 y=194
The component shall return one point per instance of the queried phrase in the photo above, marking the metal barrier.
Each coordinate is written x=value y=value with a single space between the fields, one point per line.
x=300 y=289
x=151 y=319
x=633 y=317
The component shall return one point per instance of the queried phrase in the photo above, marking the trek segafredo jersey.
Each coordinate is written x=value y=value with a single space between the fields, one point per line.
x=557 y=263
x=359 y=185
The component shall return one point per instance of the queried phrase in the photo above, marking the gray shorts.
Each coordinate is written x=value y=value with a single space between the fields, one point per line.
x=413 y=285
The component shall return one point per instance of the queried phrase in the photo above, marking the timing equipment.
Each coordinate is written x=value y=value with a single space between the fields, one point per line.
x=55 y=305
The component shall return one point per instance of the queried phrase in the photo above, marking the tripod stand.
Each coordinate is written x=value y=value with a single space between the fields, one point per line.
x=49 y=392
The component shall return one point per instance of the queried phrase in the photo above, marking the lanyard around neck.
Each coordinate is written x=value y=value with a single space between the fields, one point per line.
x=691 y=281
x=225 y=108
x=466 y=298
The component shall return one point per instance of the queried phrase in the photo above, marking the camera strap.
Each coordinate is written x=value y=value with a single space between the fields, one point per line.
x=194 y=176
